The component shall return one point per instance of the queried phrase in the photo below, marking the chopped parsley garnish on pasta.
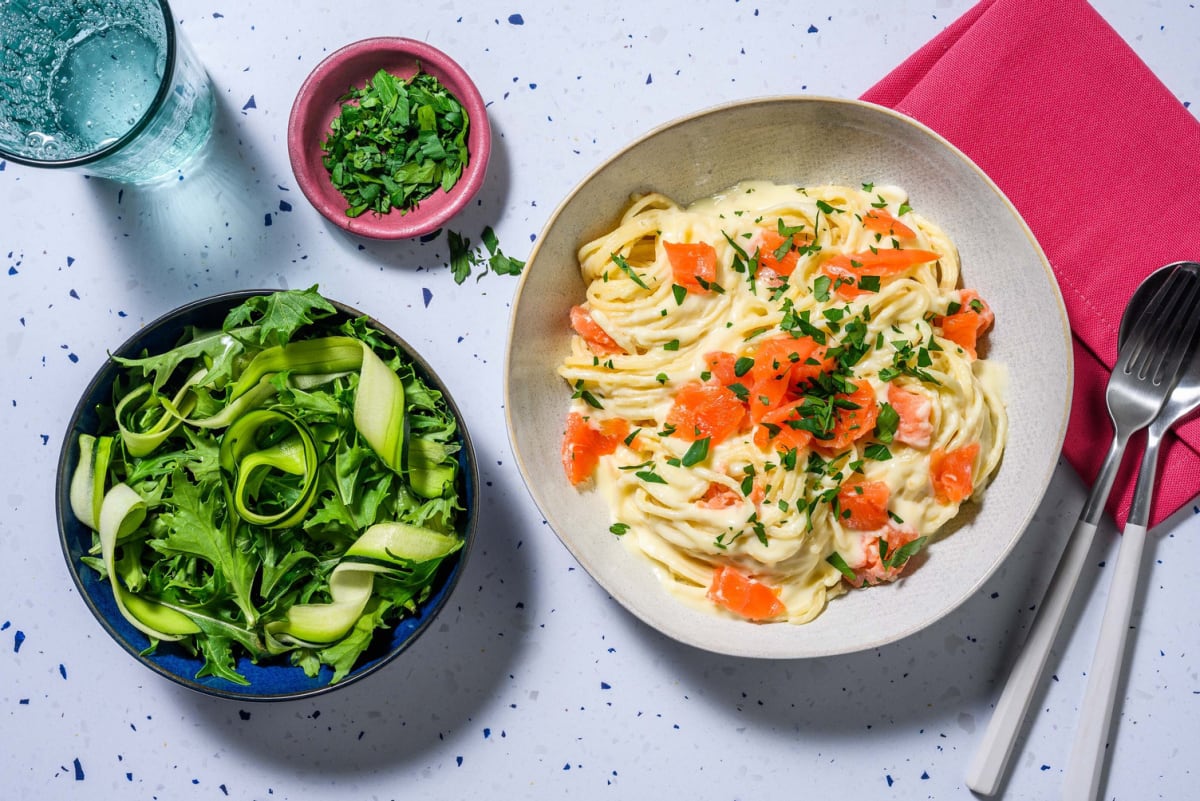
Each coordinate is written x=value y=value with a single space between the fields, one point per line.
x=782 y=392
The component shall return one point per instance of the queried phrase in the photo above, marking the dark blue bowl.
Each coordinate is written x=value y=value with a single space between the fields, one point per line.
x=273 y=680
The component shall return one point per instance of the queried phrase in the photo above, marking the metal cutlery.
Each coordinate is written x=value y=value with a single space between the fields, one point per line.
x=1085 y=765
x=1148 y=363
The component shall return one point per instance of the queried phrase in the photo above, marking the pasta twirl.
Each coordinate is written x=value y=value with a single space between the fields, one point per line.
x=779 y=391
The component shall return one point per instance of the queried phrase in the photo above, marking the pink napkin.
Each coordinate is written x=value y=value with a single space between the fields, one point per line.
x=1101 y=160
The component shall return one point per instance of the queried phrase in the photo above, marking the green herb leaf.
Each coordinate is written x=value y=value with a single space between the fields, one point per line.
x=395 y=143
x=696 y=453
x=901 y=555
x=886 y=423
x=620 y=261
x=838 y=562
x=650 y=477
x=879 y=453
x=461 y=257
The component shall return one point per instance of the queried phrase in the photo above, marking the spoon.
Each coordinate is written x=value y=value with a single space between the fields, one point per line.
x=1084 y=768
x=987 y=767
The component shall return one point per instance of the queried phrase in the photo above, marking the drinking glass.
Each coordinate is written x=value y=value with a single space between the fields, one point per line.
x=107 y=87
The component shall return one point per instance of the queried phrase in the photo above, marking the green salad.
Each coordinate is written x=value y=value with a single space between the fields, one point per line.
x=287 y=484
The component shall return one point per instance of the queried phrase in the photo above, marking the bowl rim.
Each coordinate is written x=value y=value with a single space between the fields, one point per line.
x=540 y=497
x=312 y=177
x=68 y=454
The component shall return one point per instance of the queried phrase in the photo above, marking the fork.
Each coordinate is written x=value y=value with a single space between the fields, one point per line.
x=1084 y=767
x=1148 y=364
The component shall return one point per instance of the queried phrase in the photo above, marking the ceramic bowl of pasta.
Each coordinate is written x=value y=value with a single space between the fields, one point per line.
x=266 y=495
x=788 y=377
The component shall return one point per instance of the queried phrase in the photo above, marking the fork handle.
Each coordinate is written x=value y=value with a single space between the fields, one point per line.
x=991 y=758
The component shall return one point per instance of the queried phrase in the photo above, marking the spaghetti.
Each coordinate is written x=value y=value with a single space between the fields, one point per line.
x=779 y=392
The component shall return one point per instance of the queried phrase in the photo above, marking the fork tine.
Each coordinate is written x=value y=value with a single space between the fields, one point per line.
x=1174 y=339
x=1159 y=328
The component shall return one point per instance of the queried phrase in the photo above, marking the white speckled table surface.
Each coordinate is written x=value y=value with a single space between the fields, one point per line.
x=532 y=683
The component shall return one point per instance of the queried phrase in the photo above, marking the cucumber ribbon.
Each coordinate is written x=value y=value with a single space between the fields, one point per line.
x=121 y=515
x=382 y=548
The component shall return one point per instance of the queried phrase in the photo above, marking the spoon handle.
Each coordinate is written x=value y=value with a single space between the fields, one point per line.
x=1081 y=780
x=991 y=758
x=987 y=767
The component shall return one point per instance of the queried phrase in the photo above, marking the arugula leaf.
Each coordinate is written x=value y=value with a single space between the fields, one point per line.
x=218 y=348
x=280 y=315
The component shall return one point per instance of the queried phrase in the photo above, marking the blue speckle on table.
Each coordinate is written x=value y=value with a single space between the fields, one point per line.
x=487 y=733
x=285 y=206
x=649 y=78
x=218 y=15
x=812 y=29
x=925 y=775
x=62 y=670
x=18 y=638
x=516 y=19
x=458 y=760
x=267 y=219
x=78 y=770
x=890 y=780
x=70 y=260
x=250 y=104
x=74 y=294
x=1045 y=767
x=604 y=685
x=426 y=296
x=567 y=766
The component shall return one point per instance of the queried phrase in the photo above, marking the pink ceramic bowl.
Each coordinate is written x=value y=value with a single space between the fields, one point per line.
x=319 y=102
